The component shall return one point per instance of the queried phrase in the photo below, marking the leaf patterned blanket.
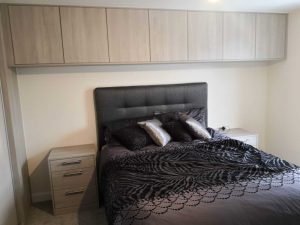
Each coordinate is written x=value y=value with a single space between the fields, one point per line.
x=212 y=183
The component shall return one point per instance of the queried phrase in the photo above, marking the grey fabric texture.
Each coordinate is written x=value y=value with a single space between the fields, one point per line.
x=177 y=131
x=156 y=132
x=195 y=127
x=133 y=138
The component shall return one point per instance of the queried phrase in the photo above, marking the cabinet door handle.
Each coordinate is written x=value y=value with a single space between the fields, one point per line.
x=71 y=163
x=69 y=193
x=73 y=174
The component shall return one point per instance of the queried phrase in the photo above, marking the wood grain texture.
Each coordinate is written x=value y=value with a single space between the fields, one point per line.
x=168 y=35
x=8 y=210
x=205 y=35
x=71 y=163
x=239 y=36
x=84 y=34
x=128 y=33
x=62 y=200
x=73 y=178
x=36 y=34
x=13 y=117
x=271 y=32
x=72 y=172
x=76 y=151
x=7 y=34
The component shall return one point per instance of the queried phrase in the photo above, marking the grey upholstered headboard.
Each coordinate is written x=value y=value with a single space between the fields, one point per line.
x=117 y=103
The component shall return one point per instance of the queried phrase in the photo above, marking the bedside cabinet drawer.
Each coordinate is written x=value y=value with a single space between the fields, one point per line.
x=72 y=163
x=73 y=178
x=250 y=140
x=79 y=196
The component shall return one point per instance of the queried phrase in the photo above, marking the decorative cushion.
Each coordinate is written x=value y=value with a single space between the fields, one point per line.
x=177 y=131
x=196 y=128
x=133 y=138
x=198 y=114
x=156 y=132
x=111 y=127
x=167 y=117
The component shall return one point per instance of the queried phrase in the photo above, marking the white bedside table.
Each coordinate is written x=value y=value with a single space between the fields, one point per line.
x=73 y=178
x=245 y=136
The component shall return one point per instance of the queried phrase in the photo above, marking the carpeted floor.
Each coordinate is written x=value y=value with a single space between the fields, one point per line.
x=41 y=214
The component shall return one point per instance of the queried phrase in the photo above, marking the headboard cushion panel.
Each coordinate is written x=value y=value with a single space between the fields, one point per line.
x=117 y=103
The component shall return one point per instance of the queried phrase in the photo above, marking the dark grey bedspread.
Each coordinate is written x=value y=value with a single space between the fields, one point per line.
x=222 y=182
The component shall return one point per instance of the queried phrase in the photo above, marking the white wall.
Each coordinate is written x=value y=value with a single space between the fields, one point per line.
x=284 y=99
x=57 y=103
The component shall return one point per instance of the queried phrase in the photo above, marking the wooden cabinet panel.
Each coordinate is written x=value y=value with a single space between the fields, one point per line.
x=271 y=36
x=128 y=35
x=84 y=34
x=205 y=35
x=239 y=36
x=168 y=35
x=36 y=34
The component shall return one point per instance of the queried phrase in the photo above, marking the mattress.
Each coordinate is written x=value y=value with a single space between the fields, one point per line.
x=220 y=182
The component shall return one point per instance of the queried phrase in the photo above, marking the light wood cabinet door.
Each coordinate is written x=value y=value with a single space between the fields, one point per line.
x=205 y=35
x=271 y=36
x=36 y=34
x=84 y=34
x=168 y=35
x=128 y=35
x=239 y=36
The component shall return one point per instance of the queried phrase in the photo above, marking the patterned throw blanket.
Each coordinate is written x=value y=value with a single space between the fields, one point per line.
x=188 y=174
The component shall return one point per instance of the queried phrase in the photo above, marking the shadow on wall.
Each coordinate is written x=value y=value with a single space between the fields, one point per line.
x=134 y=68
x=39 y=178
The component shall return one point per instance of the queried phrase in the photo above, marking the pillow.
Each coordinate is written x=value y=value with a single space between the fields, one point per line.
x=195 y=127
x=167 y=117
x=111 y=127
x=177 y=131
x=156 y=132
x=133 y=138
x=198 y=114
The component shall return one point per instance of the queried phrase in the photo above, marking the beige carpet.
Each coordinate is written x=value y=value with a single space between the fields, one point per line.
x=41 y=214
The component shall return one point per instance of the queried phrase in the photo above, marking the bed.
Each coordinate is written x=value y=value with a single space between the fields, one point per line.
x=216 y=182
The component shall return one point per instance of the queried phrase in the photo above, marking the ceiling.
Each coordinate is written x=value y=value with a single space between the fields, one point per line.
x=221 y=5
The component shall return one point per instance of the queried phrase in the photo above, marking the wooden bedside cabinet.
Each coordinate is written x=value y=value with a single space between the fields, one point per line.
x=245 y=136
x=73 y=178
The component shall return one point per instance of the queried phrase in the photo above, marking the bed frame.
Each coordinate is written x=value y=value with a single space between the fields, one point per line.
x=116 y=103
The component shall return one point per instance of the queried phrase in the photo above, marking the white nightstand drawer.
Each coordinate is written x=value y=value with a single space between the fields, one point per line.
x=73 y=178
x=72 y=163
x=247 y=137
x=250 y=140
x=78 y=196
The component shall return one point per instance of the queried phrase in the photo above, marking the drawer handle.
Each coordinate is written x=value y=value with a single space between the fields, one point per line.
x=71 y=163
x=69 y=193
x=73 y=174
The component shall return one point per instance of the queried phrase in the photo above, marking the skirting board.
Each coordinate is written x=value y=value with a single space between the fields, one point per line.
x=41 y=197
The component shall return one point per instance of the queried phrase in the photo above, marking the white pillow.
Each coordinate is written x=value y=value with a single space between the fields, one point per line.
x=196 y=128
x=156 y=132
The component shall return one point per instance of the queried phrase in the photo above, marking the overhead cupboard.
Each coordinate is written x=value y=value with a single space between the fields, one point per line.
x=67 y=35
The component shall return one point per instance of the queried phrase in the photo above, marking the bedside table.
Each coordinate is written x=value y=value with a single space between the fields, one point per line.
x=73 y=178
x=247 y=137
